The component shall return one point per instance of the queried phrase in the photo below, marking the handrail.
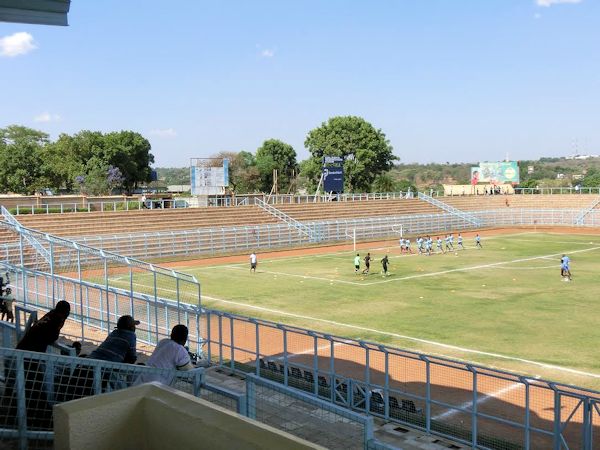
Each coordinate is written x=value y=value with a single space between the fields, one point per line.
x=31 y=239
x=581 y=217
x=284 y=217
x=451 y=209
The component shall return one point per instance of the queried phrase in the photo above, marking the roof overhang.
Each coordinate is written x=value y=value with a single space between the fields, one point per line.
x=39 y=12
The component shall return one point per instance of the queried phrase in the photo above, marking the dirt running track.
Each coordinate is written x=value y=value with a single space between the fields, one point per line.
x=450 y=383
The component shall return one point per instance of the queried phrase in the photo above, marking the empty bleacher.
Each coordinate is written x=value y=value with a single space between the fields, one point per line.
x=140 y=221
x=489 y=202
x=309 y=212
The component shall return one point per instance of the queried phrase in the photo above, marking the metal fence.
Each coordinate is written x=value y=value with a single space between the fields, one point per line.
x=97 y=206
x=306 y=416
x=481 y=407
x=119 y=275
x=33 y=382
x=472 y=404
x=215 y=241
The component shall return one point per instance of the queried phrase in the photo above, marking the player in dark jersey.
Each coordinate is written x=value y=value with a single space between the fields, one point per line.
x=384 y=262
x=367 y=264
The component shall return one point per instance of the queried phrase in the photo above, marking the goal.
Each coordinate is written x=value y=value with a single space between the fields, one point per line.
x=375 y=230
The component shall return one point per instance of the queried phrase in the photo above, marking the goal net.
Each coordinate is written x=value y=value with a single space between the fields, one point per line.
x=375 y=230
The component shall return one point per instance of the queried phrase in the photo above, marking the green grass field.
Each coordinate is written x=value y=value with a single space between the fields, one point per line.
x=504 y=305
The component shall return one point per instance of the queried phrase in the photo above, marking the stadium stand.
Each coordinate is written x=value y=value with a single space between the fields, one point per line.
x=97 y=223
x=488 y=202
x=307 y=212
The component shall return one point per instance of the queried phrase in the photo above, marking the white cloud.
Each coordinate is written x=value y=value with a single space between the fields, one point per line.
x=267 y=53
x=47 y=117
x=17 y=44
x=164 y=133
x=548 y=3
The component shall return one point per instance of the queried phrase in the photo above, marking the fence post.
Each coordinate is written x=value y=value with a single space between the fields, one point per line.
x=232 y=342
x=474 y=408
x=257 y=333
x=250 y=398
x=427 y=393
x=556 y=429
x=21 y=403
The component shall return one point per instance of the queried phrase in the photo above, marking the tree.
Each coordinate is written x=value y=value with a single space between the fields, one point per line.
x=130 y=152
x=274 y=154
x=20 y=159
x=384 y=183
x=366 y=151
x=592 y=178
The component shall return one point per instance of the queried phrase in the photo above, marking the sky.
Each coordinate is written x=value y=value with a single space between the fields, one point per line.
x=445 y=80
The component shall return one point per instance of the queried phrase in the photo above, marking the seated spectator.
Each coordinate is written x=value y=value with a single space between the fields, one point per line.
x=169 y=354
x=6 y=306
x=45 y=331
x=119 y=346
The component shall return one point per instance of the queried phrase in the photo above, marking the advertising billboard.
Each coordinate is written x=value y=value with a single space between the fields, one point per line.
x=333 y=179
x=495 y=173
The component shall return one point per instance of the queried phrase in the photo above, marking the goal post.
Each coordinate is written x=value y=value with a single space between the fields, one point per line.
x=373 y=231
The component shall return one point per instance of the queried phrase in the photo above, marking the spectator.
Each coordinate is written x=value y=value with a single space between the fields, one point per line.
x=6 y=306
x=169 y=354
x=119 y=346
x=46 y=330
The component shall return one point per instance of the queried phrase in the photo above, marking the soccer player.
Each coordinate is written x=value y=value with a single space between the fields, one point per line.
x=384 y=263
x=356 y=263
x=565 y=270
x=407 y=245
x=253 y=262
x=439 y=245
x=401 y=245
x=460 y=241
x=448 y=243
x=420 y=244
x=478 y=241
x=429 y=245
x=367 y=264
x=451 y=239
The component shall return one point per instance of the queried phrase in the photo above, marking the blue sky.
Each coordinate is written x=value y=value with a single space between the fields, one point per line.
x=445 y=80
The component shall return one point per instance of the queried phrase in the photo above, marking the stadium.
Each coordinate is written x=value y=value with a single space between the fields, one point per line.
x=374 y=305
x=420 y=348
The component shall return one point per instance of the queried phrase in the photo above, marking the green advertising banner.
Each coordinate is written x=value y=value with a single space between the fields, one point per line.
x=495 y=172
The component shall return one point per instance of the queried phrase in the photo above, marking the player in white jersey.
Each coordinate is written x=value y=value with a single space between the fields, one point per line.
x=460 y=241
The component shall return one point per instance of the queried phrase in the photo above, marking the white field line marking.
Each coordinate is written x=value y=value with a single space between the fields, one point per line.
x=481 y=399
x=401 y=336
x=333 y=255
x=553 y=266
x=431 y=274
x=551 y=242
x=482 y=266
x=355 y=283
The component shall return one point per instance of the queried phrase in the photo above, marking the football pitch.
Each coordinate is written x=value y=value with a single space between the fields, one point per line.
x=504 y=305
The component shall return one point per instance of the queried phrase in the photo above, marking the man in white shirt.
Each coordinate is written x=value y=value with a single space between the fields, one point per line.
x=169 y=354
x=253 y=261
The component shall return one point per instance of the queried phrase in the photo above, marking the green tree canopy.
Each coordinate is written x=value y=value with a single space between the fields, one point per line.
x=365 y=149
x=275 y=154
x=21 y=169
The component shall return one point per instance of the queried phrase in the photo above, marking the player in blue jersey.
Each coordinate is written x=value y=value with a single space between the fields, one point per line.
x=478 y=241
x=420 y=245
x=439 y=245
x=448 y=243
x=451 y=240
x=407 y=246
x=565 y=269
x=429 y=245
x=402 y=244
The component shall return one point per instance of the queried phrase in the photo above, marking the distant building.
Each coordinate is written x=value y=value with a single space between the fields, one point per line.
x=581 y=156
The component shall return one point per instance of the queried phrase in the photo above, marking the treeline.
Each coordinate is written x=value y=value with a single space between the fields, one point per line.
x=367 y=154
x=89 y=162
